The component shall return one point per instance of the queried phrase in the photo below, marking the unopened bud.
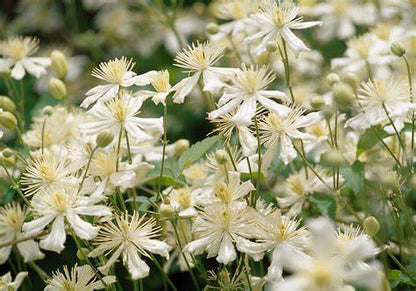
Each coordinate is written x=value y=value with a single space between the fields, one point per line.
x=397 y=49
x=59 y=64
x=57 y=89
x=181 y=146
x=221 y=157
x=212 y=28
x=7 y=153
x=371 y=226
x=47 y=110
x=271 y=46
x=332 y=79
x=82 y=254
x=166 y=210
x=317 y=101
x=333 y=158
x=104 y=138
x=352 y=80
x=8 y=162
x=7 y=104
x=8 y=120
x=343 y=94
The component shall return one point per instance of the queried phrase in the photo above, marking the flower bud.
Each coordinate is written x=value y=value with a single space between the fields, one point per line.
x=333 y=158
x=59 y=64
x=181 y=146
x=271 y=46
x=82 y=254
x=57 y=89
x=8 y=120
x=352 y=80
x=332 y=79
x=212 y=28
x=317 y=101
x=104 y=138
x=221 y=157
x=7 y=153
x=397 y=49
x=371 y=226
x=7 y=104
x=8 y=162
x=343 y=94
x=47 y=110
x=166 y=210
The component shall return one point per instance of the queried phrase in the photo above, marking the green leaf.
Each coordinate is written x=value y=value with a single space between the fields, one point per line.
x=325 y=203
x=396 y=277
x=196 y=151
x=354 y=177
x=369 y=139
x=168 y=178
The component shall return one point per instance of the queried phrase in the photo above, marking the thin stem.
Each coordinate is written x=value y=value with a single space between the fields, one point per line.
x=409 y=76
x=23 y=239
x=394 y=127
x=258 y=162
x=165 y=141
x=237 y=53
x=120 y=135
x=86 y=169
x=15 y=186
x=286 y=67
x=43 y=135
x=128 y=147
x=162 y=272
x=42 y=274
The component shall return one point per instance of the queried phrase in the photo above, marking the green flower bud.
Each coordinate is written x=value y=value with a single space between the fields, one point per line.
x=7 y=153
x=271 y=46
x=166 y=210
x=371 y=226
x=57 y=89
x=47 y=110
x=104 y=138
x=8 y=120
x=332 y=79
x=181 y=146
x=333 y=158
x=397 y=49
x=7 y=104
x=59 y=64
x=352 y=80
x=343 y=94
x=212 y=28
x=221 y=157
x=82 y=254
x=317 y=101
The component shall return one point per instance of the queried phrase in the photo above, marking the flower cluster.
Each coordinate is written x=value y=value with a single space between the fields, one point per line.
x=305 y=179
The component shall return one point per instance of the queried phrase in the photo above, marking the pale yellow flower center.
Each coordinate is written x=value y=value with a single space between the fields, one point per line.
x=183 y=197
x=161 y=82
x=223 y=192
x=295 y=184
x=321 y=274
x=14 y=220
x=46 y=173
x=59 y=201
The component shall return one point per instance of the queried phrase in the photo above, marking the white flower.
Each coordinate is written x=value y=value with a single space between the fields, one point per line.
x=12 y=217
x=160 y=82
x=297 y=187
x=364 y=52
x=277 y=133
x=48 y=171
x=276 y=22
x=118 y=73
x=6 y=283
x=119 y=114
x=17 y=52
x=378 y=96
x=277 y=233
x=340 y=16
x=234 y=190
x=130 y=237
x=327 y=269
x=218 y=227
x=184 y=201
x=248 y=87
x=199 y=60
x=80 y=278
x=58 y=206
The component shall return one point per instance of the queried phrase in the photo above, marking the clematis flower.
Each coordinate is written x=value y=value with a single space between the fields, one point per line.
x=248 y=87
x=12 y=217
x=7 y=284
x=118 y=73
x=275 y=22
x=199 y=60
x=17 y=55
x=80 y=278
x=277 y=133
x=218 y=227
x=160 y=82
x=58 y=206
x=118 y=114
x=130 y=237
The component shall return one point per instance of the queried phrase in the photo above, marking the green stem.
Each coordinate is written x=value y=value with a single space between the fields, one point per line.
x=165 y=141
x=128 y=147
x=258 y=162
x=286 y=67
x=15 y=185
x=409 y=76
x=86 y=169
x=162 y=272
